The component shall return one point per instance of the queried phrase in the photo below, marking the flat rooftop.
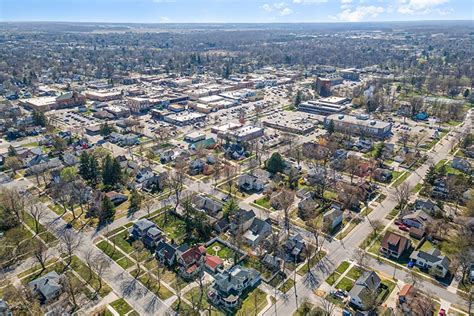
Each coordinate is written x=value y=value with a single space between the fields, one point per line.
x=354 y=120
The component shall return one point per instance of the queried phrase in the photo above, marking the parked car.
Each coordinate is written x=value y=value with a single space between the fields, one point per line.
x=398 y=222
x=404 y=228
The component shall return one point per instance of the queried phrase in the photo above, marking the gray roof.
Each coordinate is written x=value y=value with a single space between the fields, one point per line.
x=433 y=256
x=365 y=286
x=143 y=224
x=47 y=285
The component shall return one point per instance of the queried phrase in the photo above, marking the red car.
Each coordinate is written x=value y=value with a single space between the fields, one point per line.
x=404 y=228
x=442 y=312
x=398 y=222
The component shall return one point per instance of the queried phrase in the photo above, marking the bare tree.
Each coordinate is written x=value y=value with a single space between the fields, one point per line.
x=403 y=192
x=360 y=256
x=13 y=202
x=286 y=198
x=176 y=184
x=36 y=210
x=69 y=243
x=41 y=254
x=327 y=306
x=72 y=287
x=100 y=265
x=229 y=174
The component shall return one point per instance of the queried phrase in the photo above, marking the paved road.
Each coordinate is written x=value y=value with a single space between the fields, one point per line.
x=339 y=251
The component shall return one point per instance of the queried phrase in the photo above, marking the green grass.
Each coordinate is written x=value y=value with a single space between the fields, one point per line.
x=401 y=179
x=122 y=241
x=151 y=283
x=345 y=284
x=108 y=249
x=125 y=263
x=121 y=306
x=315 y=259
x=354 y=273
x=224 y=253
x=342 y=267
x=285 y=287
x=387 y=288
x=248 y=305
x=193 y=296
x=331 y=279
x=174 y=227
x=264 y=202
x=82 y=269
x=329 y=195
x=417 y=187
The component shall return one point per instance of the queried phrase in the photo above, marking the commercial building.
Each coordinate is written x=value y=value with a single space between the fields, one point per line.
x=325 y=106
x=137 y=104
x=224 y=128
x=359 y=125
x=184 y=118
x=103 y=95
x=41 y=104
x=243 y=134
x=350 y=74
x=292 y=122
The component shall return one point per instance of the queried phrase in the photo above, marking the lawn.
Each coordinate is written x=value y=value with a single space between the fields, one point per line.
x=354 y=273
x=151 y=283
x=386 y=288
x=329 y=195
x=264 y=202
x=172 y=225
x=108 y=249
x=122 y=241
x=193 y=296
x=331 y=279
x=224 y=252
x=315 y=259
x=248 y=305
x=125 y=263
x=285 y=287
x=121 y=306
x=345 y=284
x=417 y=187
x=401 y=179
x=92 y=279
x=342 y=267
x=348 y=229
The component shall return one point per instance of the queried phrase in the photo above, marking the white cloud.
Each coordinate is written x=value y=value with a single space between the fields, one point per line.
x=310 y=1
x=419 y=6
x=286 y=11
x=164 y=19
x=346 y=1
x=164 y=1
x=280 y=7
x=359 y=13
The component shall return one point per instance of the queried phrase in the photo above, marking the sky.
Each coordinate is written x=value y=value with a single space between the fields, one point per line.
x=234 y=11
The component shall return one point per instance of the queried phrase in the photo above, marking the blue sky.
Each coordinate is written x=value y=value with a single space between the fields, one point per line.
x=175 y=11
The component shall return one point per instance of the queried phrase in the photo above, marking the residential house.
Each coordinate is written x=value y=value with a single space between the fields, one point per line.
x=166 y=252
x=427 y=206
x=272 y=262
x=214 y=264
x=196 y=166
x=382 y=175
x=167 y=156
x=229 y=285
x=308 y=205
x=191 y=261
x=116 y=198
x=208 y=205
x=222 y=225
x=152 y=237
x=48 y=287
x=242 y=221
x=140 y=228
x=250 y=182
x=394 y=245
x=364 y=290
x=431 y=260
x=5 y=309
x=462 y=165
x=416 y=219
x=333 y=217
x=406 y=293
x=316 y=175
x=258 y=231
x=294 y=248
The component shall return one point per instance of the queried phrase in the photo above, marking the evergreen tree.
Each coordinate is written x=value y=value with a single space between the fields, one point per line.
x=135 y=200
x=11 y=151
x=39 y=118
x=84 y=165
x=275 y=163
x=107 y=210
x=111 y=173
x=431 y=175
x=230 y=208
x=106 y=129
x=298 y=98
x=330 y=127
